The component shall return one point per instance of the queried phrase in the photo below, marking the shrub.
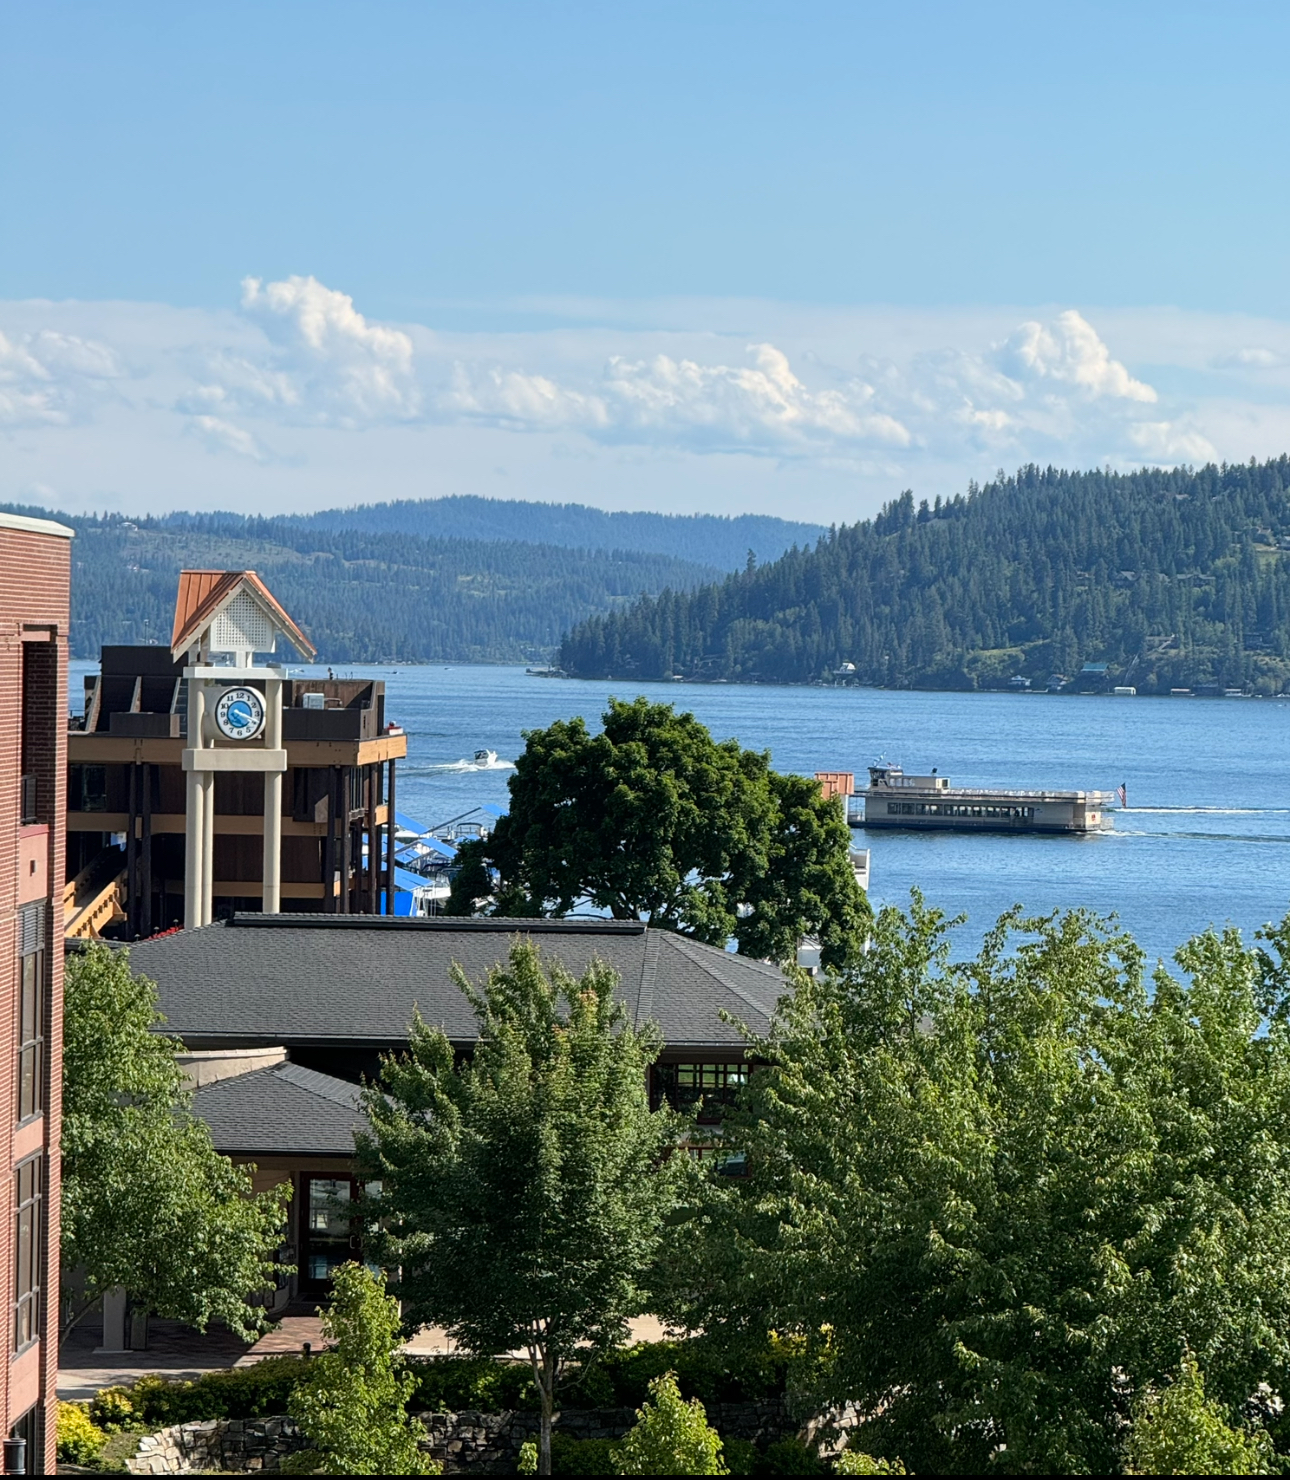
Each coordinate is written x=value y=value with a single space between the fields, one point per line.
x=793 y=1457
x=570 y=1456
x=622 y=1379
x=113 y=1411
x=741 y=1456
x=79 y=1441
x=477 y=1384
x=261 y=1390
x=670 y=1436
x=854 y=1462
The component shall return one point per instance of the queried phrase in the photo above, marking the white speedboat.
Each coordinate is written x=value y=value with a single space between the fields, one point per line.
x=485 y=758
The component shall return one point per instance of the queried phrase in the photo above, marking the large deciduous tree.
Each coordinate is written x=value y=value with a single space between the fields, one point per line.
x=653 y=819
x=147 y=1202
x=994 y=1200
x=524 y=1188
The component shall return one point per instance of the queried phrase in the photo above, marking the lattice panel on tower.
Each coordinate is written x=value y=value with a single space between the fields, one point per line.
x=242 y=625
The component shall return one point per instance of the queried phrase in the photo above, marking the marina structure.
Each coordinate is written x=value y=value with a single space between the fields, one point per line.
x=202 y=779
x=894 y=800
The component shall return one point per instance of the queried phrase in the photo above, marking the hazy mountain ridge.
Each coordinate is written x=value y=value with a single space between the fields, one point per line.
x=361 y=597
x=1172 y=578
x=718 y=540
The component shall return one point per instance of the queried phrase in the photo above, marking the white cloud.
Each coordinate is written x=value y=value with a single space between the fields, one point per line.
x=326 y=361
x=49 y=378
x=761 y=407
x=1171 y=443
x=1069 y=352
x=223 y=436
x=704 y=405
x=518 y=401
x=1255 y=358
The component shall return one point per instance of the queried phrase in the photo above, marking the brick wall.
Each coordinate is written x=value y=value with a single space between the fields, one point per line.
x=35 y=571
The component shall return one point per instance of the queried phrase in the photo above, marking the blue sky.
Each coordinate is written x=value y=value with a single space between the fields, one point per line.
x=784 y=257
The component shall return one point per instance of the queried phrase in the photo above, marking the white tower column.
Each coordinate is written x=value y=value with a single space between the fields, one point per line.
x=195 y=841
x=208 y=849
x=272 y=892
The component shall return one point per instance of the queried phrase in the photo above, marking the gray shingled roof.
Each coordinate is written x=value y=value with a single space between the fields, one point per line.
x=283 y=1110
x=332 y=980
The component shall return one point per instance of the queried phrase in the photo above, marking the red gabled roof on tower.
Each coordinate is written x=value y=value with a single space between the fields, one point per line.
x=203 y=592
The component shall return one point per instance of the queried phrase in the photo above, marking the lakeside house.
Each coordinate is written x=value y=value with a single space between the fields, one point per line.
x=284 y=1015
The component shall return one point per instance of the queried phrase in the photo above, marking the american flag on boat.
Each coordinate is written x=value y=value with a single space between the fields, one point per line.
x=1122 y=791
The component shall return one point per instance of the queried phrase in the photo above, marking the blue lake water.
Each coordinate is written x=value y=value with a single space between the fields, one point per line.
x=1206 y=839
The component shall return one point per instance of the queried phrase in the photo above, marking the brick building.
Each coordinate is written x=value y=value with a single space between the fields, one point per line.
x=35 y=579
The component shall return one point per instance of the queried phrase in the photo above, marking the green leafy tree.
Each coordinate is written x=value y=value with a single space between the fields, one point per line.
x=670 y=1436
x=147 y=1202
x=1178 y=1431
x=654 y=819
x=992 y=1199
x=352 y=1402
x=856 y=1462
x=525 y=1188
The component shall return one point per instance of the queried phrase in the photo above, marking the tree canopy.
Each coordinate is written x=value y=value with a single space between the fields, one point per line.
x=995 y=1200
x=147 y=1202
x=524 y=1189
x=653 y=819
x=1173 y=577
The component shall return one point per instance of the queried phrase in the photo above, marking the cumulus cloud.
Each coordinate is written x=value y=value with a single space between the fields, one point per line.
x=882 y=398
x=48 y=378
x=323 y=361
x=762 y=407
x=1069 y=352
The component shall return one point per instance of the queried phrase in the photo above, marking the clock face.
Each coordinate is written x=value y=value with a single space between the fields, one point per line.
x=239 y=714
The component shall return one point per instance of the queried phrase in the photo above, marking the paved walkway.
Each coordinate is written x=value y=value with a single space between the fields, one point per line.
x=174 y=1350
x=179 y=1352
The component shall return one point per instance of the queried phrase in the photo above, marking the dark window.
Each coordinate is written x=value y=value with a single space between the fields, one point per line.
x=27 y=1191
x=31 y=1011
x=710 y=1086
x=87 y=789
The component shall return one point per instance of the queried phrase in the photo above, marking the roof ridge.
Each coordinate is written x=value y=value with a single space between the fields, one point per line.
x=699 y=958
x=317 y=1083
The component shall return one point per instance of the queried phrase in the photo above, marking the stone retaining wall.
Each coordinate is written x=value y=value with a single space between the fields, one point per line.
x=482 y=1442
x=241 y=1444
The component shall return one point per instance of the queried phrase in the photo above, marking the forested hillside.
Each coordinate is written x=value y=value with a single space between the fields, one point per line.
x=1171 y=578
x=361 y=597
x=705 y=539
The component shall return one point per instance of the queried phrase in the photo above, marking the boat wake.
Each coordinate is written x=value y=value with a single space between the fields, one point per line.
x=1208 y=837
x=463 y=765
x=1210 y=811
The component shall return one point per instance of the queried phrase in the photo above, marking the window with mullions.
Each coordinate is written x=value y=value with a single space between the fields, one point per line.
x=31 y=1011
x=710 y=1086
x=27 y=1192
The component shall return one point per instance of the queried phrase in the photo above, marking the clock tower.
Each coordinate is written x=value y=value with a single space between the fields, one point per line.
x=224 y=622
